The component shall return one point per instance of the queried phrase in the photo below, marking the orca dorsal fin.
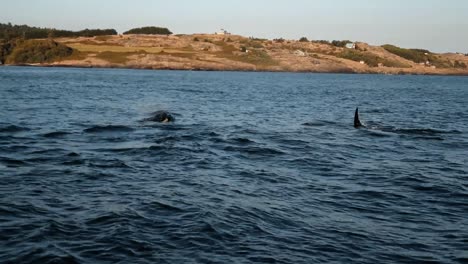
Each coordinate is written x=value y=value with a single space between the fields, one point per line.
x=357 y=122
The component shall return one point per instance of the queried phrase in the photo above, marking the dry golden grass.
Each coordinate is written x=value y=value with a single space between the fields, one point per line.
x=110 y=48
x=116 y=57
x=256 y=57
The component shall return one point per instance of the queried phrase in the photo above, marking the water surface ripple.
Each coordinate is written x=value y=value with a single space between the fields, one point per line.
x=257 y=168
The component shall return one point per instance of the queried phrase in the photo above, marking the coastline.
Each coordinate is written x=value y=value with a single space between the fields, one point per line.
x=59 y=65
x=208 y=52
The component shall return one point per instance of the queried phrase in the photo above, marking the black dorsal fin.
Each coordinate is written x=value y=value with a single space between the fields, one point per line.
x=357 y=122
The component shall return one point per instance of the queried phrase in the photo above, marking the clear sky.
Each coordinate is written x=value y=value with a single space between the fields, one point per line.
x=438 y=25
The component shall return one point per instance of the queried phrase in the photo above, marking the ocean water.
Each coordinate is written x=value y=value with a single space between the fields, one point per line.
x=257 y=167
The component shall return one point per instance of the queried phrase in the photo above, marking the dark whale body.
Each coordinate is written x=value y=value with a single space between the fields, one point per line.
x=161 y=117
x=425 y=133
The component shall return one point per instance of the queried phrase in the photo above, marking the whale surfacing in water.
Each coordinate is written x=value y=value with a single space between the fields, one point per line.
x=357 y=122
x=161 y=117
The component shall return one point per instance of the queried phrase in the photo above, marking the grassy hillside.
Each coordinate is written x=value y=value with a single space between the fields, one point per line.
x=227 y=52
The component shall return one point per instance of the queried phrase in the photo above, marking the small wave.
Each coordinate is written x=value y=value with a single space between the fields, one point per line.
x=382 y=110
x=424 y=131
x=157 y=147
x=166 y=206
x=242 y=140
x=255 y=150
x=103 y=219
x=56 y=134
x=319 y=123
x=377 y=133
x=108 y=128
x=74 y=162
x=166 y=139
x=109 y=164
x=12 y=162
x=13 y=129
x=14 y=148
x=49 y=255
x=50 y=151
x=430 y=138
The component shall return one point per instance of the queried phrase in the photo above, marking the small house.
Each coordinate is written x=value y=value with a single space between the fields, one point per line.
x=222 y=32
x=350 y=45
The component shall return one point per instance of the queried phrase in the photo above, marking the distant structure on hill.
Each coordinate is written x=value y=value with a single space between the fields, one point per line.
x=350 y=45
x=222 y=32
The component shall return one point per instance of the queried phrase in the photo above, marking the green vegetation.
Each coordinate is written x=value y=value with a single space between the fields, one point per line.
x=459 y=65
x=303 y=39
x=149 y=31
x=258 y=39
x=255 y=44
x=326 y=42
x=420 y=56
x=9 y=31
x=38 y=51
x=256 y=57
x=6 y=47
x=370 y=59
x=415 y=55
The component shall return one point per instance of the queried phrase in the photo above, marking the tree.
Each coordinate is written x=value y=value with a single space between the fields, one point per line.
x=149 y=30
x=303 y=39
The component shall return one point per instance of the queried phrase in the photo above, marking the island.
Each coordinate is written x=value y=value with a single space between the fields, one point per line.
x=158 y=48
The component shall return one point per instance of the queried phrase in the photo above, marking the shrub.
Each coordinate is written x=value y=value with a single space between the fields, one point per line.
x=321 y=42
x=10 y=31
x=38 y=51
x=340 y=43
x=419 y=56
x=459 y=65
x=5 y=49
x=370 y=59
x=414 y=55
x=256 y=45
x=303 y=39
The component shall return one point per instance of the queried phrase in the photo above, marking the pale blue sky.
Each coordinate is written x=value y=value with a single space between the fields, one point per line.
x=438 y=25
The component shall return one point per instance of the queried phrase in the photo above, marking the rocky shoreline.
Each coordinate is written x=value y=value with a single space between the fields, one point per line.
x=204 y=52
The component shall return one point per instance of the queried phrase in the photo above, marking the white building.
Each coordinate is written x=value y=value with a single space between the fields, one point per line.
x=222 y=32
x=351 y=45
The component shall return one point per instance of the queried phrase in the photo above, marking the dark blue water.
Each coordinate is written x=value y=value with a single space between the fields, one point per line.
x=257 y=168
